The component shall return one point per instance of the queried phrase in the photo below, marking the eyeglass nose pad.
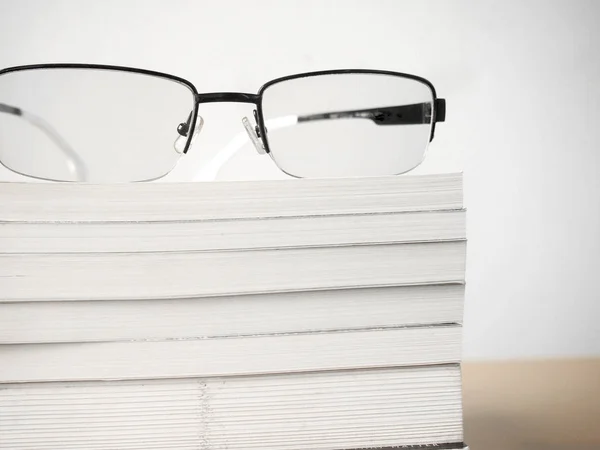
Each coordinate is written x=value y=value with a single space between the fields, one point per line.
x=179 y=144
x=258 y=145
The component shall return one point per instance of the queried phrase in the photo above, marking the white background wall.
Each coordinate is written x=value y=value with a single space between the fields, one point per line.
x=522 y=80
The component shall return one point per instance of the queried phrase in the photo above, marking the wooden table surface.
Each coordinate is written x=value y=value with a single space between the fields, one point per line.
x=547 y=405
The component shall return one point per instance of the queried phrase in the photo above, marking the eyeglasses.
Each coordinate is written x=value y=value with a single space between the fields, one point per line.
x=96 y=123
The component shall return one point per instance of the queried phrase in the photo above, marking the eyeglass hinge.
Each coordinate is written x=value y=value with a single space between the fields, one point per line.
x=440 y=110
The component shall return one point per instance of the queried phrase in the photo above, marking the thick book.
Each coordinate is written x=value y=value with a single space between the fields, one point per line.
x=248 y=355
x=418 y=407
x=246 y=315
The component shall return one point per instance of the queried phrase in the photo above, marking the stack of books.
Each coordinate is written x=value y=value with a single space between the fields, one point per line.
x=283 y=315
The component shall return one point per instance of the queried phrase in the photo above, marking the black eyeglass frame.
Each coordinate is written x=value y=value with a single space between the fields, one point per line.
x=438 y=106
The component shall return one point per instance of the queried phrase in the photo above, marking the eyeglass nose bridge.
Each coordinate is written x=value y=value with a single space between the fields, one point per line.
x=231 y=97
x=238 y=97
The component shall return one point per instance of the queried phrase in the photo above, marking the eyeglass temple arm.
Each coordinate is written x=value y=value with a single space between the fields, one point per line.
x=417 y=113
x=74 y=162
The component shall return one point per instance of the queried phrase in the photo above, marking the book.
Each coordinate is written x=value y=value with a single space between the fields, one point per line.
x=247 y=355
x=238 y=315
x=135 y=202
x=383 y=407
x=96 y=276
x=232 y=234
